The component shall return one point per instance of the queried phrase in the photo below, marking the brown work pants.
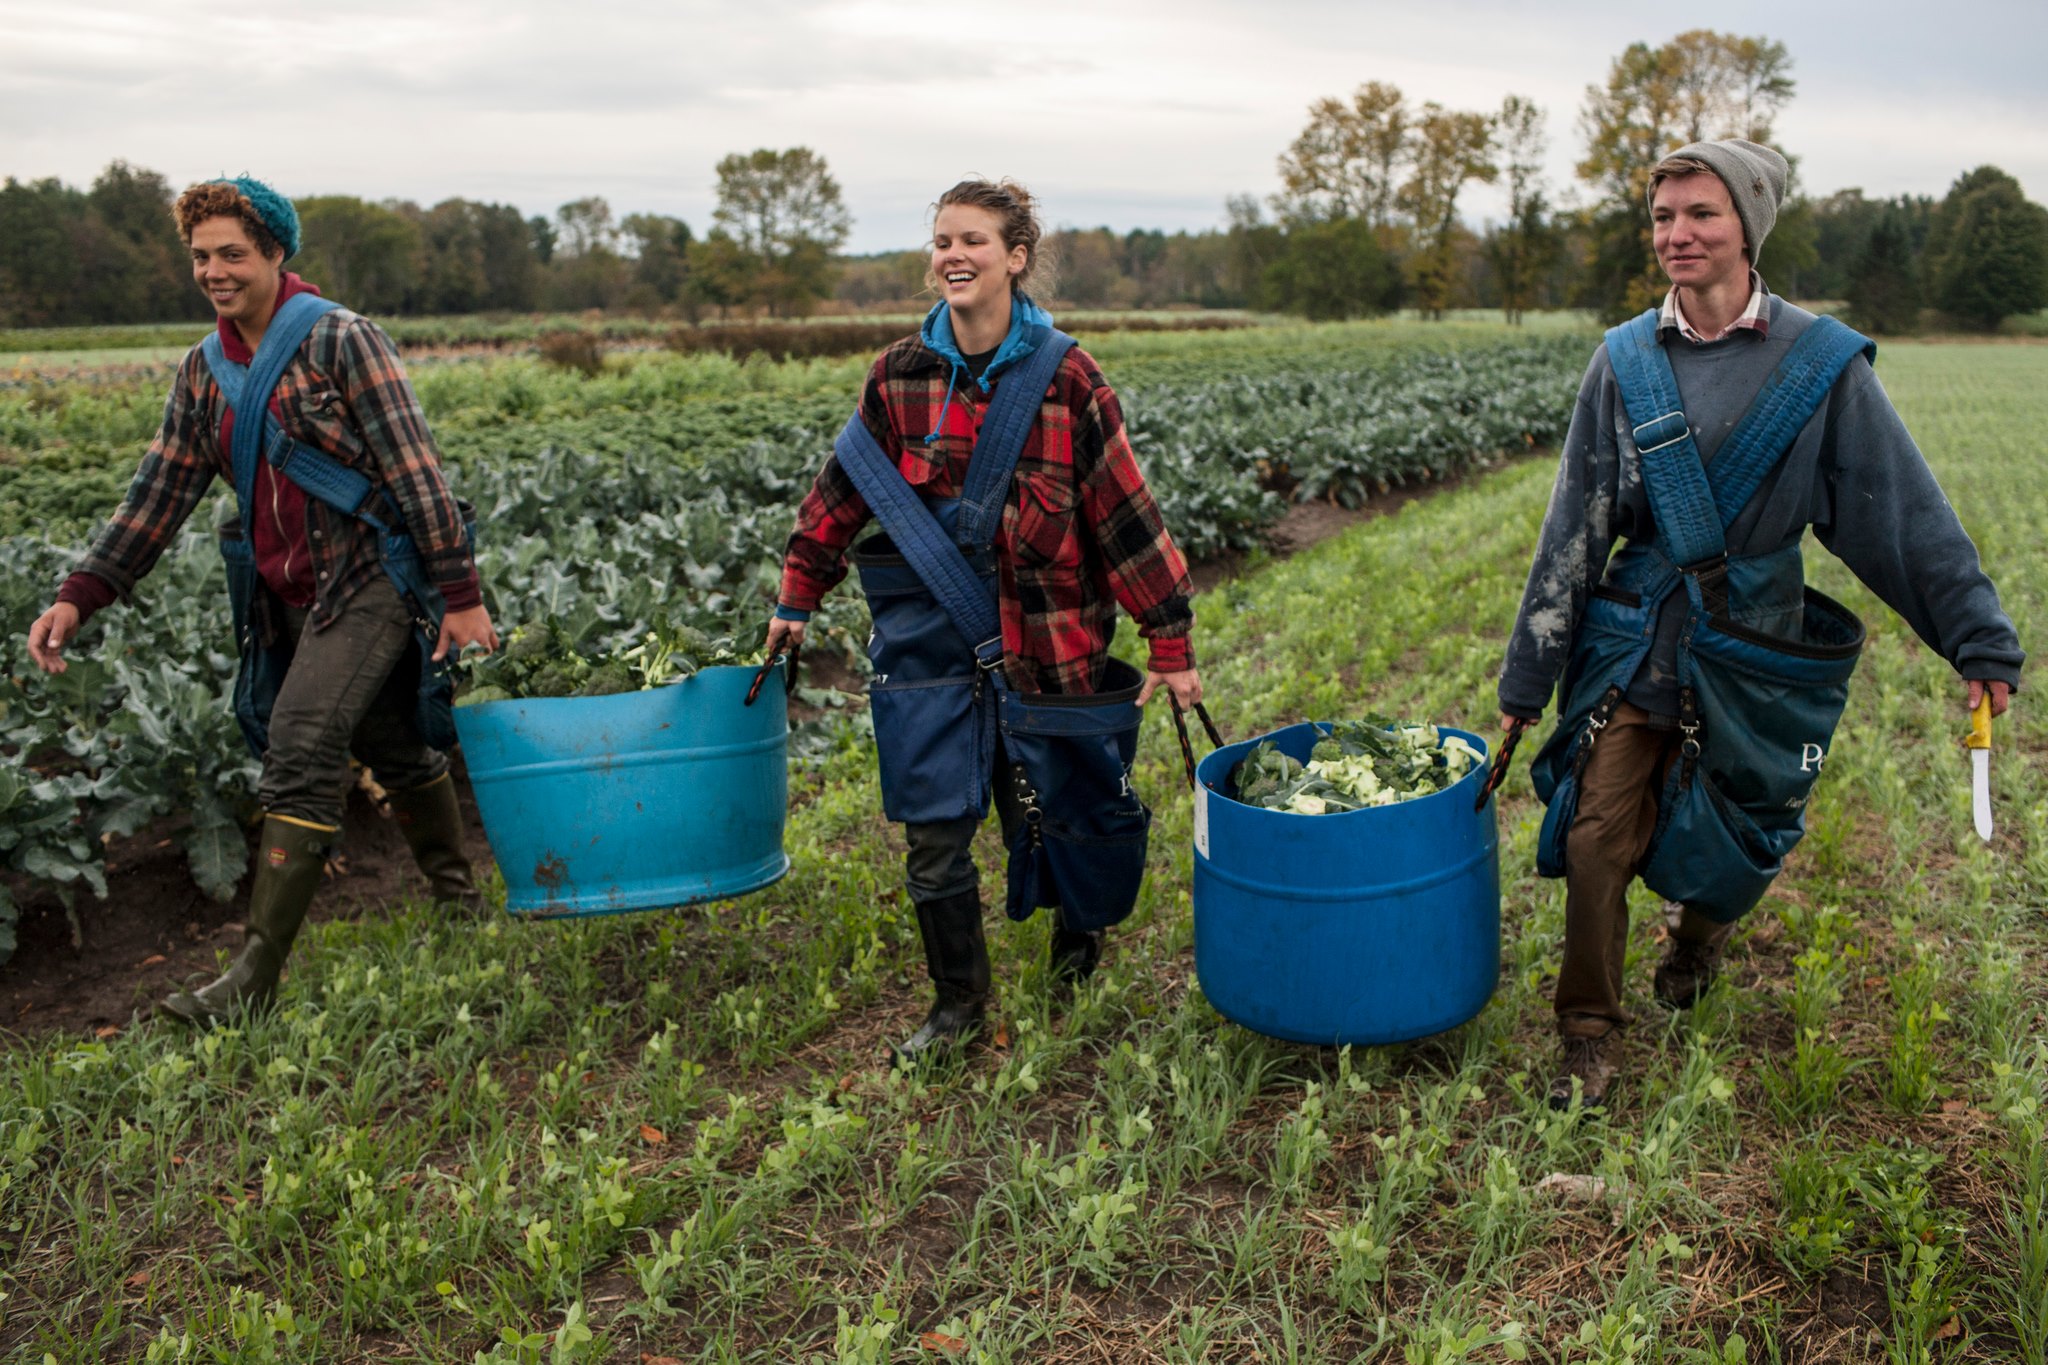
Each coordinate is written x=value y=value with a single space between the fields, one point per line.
x=1617 y=815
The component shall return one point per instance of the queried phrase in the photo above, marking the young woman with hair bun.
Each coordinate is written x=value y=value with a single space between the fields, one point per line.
x=1039 y=716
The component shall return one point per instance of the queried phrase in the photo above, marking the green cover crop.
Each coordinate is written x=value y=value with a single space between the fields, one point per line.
x=1370 y=762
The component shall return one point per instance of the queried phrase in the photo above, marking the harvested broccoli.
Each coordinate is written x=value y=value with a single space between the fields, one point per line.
x=1373 y=762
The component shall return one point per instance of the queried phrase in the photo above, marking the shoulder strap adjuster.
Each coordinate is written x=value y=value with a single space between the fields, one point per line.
x=1659 y=432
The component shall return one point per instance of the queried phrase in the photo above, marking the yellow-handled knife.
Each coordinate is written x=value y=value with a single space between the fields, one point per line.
x=1979 y=744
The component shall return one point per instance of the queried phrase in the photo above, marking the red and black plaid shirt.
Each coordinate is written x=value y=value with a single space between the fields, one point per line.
x=1079 y=536
x=344 y=392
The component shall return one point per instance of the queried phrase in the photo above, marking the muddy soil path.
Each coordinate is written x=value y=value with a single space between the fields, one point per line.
x=156 y=929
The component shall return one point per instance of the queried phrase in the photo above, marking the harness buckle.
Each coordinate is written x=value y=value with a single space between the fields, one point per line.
x=1712 y=576
x=989 y=659
x=1661 y=426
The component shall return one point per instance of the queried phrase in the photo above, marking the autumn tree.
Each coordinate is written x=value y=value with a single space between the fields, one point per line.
x=1450 y=148
x=784 y=210
x=1345 y=163
x=1698 y=86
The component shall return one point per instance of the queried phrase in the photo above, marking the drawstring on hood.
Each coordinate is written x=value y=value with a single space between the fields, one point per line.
x=1030 y=325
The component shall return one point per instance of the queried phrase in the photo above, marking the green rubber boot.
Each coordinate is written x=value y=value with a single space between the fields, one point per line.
x=430 y=818
x=289 y=864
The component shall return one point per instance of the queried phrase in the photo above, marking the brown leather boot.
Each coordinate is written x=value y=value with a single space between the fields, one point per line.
x=430 y=818
x=1693 y=949
x=289 y=863
x=1587 y=1068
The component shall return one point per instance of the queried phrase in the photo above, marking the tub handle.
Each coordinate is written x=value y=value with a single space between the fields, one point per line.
x=789 y=663
x=1499 y=771
x=1180 y=724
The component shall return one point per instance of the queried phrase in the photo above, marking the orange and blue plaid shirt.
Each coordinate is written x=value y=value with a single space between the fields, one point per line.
x=1079 y=536
x=346 y=392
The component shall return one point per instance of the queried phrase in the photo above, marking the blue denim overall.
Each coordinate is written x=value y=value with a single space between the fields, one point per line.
x=939 y=697
x=1763 y=660
x=264 y=658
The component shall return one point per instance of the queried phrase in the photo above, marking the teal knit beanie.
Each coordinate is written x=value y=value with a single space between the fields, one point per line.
x=273 y=209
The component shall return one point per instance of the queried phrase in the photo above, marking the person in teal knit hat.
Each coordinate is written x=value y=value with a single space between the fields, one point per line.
x=338 y=641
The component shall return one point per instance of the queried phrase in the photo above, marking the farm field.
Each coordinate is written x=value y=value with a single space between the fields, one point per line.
x=667 y=1136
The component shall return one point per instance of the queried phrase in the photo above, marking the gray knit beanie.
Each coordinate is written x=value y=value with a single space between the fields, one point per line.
x=1755 y=176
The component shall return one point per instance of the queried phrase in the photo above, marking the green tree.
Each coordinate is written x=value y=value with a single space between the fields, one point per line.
x=1331 y=270
x=1884 y=284
x=660 y=247
x=1700 y=85
x=1989 y=251
x=365 y=255
x=135 y=206
x=784 y=210
x=721 y=273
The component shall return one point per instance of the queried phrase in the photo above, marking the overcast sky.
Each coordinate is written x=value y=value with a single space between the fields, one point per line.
x=1133 y=113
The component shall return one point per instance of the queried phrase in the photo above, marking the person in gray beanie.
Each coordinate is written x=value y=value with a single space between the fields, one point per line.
x=1631 y=629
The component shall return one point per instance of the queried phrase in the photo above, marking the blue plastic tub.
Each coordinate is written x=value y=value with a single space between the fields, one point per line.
x=594 y=805
x=1371 y=926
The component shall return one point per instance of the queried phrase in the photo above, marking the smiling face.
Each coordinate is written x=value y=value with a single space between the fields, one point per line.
x=1697 y=236
x=969 y=261
x=236 y=277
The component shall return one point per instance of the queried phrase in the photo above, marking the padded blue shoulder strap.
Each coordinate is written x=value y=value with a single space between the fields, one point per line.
x=248 y=389
x=938 y=559
x=1790 y=397
x=911 y=525
x=1011 y=412
x=1688 y=524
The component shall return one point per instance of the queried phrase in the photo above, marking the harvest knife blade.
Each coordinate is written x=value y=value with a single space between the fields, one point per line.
x=1979 y=744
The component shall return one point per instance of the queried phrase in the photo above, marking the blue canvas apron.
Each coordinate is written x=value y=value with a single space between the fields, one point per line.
x=939 y=698
x=1763 y=660
x=264 y=657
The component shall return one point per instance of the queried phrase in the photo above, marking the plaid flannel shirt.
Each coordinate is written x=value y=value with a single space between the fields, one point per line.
x=1756 y=317
x=345 y=392
x=1079 y=535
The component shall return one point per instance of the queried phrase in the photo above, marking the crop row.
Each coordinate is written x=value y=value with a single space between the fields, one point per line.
x=604 y=529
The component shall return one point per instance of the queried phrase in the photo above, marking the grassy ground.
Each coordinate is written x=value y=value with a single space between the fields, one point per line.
x=666 y=1136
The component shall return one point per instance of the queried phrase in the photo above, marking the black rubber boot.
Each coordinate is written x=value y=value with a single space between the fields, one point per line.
x=1071 y=955
x=956 y=955
x=289 y=864
x=430 y=818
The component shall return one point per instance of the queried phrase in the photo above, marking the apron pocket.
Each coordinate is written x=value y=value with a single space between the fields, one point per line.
x=1711 y=857
x=930 y=744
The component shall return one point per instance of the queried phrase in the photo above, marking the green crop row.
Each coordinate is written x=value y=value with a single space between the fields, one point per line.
x=607 y=518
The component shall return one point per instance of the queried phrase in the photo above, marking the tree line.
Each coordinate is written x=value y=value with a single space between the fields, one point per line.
x=1366 y=220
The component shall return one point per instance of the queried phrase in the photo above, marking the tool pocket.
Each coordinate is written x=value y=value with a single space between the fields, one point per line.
x=1081 y=845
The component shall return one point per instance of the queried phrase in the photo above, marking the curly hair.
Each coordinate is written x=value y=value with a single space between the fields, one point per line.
x=218 y=199
x=1017 y=213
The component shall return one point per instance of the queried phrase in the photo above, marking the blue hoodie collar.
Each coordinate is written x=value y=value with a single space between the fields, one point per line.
x=1030 y=325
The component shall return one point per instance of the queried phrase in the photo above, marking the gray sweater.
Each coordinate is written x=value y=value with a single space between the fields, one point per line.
x=1853 y=474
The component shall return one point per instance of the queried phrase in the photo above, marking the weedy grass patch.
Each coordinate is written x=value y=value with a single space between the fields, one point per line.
x=671 y=1135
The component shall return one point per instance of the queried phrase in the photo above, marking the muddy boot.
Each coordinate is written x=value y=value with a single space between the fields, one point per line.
x=1692 y=958
x=1071 y=956
x=289 y=864
x=957 y=958
x=1587 y=1068
x=430 y=818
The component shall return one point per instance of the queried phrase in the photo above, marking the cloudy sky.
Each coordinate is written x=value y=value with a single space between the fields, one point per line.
x=1126 y=112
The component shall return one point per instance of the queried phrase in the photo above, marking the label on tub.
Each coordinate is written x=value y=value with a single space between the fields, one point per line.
x=1202 y=821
